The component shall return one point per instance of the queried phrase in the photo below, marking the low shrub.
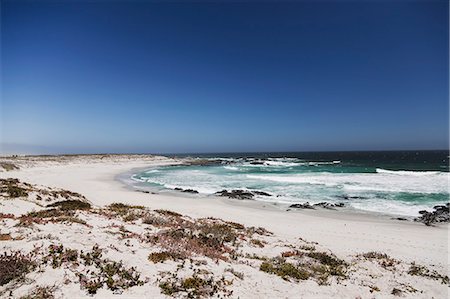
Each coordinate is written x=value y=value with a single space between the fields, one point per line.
x=284 y=270
x=160 y=257
x=14 y=266
x=71 y=205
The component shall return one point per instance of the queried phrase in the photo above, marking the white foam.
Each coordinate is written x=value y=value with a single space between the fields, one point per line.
x=152 y=171
x=408 y=172
x=231 y=167
x=366 y=181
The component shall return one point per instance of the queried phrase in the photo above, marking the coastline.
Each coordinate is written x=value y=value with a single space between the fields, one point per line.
x=344 y=233
x=364 y=231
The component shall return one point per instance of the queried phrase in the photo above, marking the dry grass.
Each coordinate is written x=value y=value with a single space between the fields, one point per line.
x=5 y=237
x=8 y=166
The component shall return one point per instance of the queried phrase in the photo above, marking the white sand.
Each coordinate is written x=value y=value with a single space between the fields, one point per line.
x=345 y=234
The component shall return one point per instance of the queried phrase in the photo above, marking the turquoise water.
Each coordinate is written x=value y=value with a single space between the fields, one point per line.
x=400 y=183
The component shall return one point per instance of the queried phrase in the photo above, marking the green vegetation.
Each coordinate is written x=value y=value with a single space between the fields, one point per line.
x=284 y=270
x=10 y=188
x=113 y=274
x=71 y=205
x=160 y=257
x=194 y=287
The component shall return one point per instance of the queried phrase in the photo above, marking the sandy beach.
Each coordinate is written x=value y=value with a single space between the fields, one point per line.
x=343 y=234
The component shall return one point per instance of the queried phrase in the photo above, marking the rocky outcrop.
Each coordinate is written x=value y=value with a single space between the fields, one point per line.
x=262 y=193
x=325 y=205
x=305 y=205
x=237 y=194
x=439 y=215
x=206 y=162
x=347 y=197
x=186 y=190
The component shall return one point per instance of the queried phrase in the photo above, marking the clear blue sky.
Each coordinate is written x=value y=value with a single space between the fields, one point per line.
x=136 y=76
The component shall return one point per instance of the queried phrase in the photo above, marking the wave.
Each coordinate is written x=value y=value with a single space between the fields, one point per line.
x=231 y=167
x=321 y=163
x=374 y=182
x=408 y=172
x=152 y=171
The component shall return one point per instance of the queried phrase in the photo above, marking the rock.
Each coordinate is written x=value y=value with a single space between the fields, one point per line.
x=347 y=197
x=330 y=206
x=206 y=162
x=400 y=218
x=439 y=215
x=305 y=205
x=186 y=190
x=190 y=191
x=257 y=163
x=237 y=194
x=262 y=193
x=143 y=191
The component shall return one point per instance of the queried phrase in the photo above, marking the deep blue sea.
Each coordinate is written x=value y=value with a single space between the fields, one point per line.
x=397 y=182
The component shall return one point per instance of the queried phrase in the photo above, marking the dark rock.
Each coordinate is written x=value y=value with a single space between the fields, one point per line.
x=262 y=193
x=206 y=162
x=257 y=163
x=439 y=215
x=330 y=206
x=305 y=205
x=186 y=190
x=237 y=194
x=190 y=191
x=347 y=197
x=400 y=218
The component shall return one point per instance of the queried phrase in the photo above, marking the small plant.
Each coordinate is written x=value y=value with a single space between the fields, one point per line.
x=58 y=255
x=71 y=205
x=257 y=242
x=396 y=292
x=418 y=270
x=168 y=213
x=41 y=292
x=155 y=220
x=194 y=287
x=239 y=275
x=326 y=259
x=122 y=208
x=284 y=270
x=383 y=259
x=12 y=189
x=14 y=265
x=8 y=166
x=5 y=237
x=160 y=257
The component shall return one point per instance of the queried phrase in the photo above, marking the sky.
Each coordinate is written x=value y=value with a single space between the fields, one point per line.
x=175 y=77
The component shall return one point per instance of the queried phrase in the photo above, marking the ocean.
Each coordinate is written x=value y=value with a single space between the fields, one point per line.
x=394 y=182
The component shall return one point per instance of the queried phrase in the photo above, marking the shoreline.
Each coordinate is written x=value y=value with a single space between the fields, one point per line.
x=348 y=211
x=98 y=182
x=346 y=234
